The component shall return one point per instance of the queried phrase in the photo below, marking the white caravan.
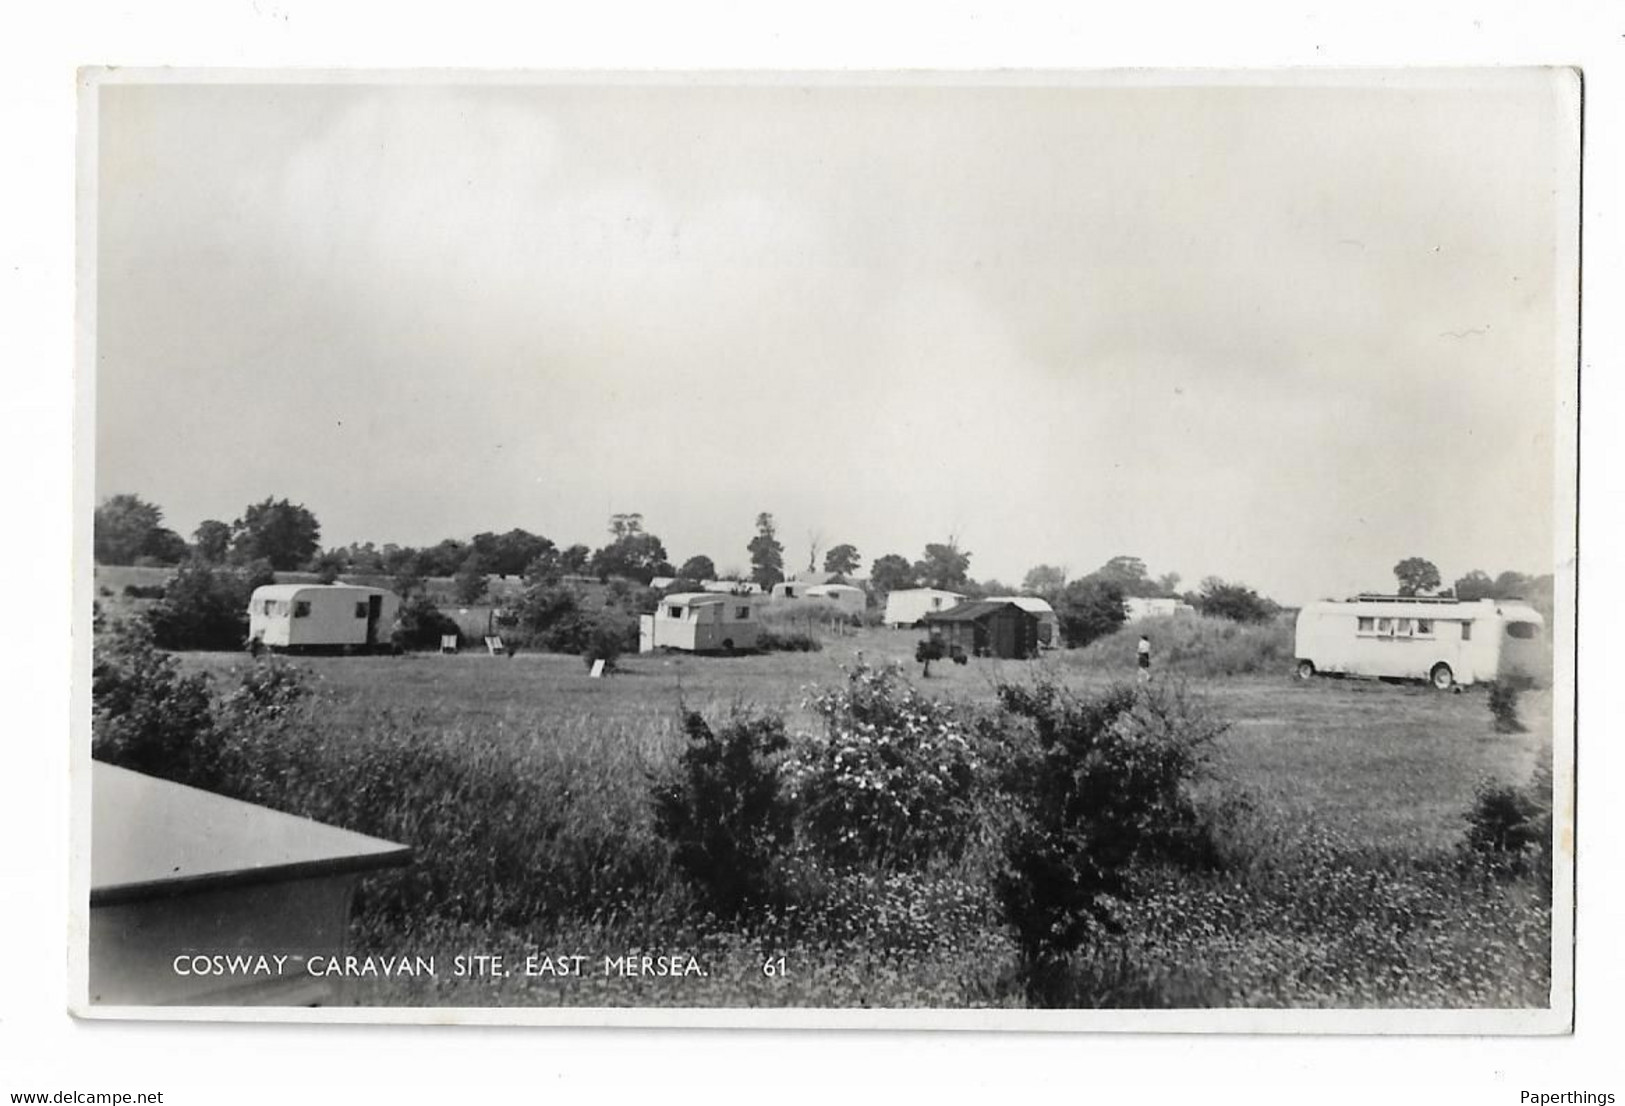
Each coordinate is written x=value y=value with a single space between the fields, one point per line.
x=1443 y=641
x=909 y=606
x=700 y=622
x=321 y=616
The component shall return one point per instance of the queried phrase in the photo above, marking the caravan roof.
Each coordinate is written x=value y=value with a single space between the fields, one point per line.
x=289 y=591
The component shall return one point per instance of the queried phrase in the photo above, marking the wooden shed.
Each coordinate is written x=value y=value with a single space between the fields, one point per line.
x=201 y=900
x=987 y=628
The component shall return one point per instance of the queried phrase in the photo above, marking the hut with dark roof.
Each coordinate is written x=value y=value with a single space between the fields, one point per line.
x=987 y=628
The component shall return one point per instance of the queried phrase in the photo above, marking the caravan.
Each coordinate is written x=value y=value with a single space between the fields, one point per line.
x=322 y=617
x=1444 y=641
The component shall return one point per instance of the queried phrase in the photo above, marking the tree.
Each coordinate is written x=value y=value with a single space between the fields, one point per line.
x=892 y=572
x=1130 y=575
x=575 y=559
x=766 y=553
x=1416 y=576
x=1088 y=609
x=1044 y=581
x=1168 y=583
x=328 y=565
x=634 y=553
x=698 y=568
x=284 y=533
x=363 y=559
x=1474 y=586
x=164 y=547
x=471 y=583
x=944 y=566
x=124 y=524
x=443 y=558
x=212 y=540
x=512 y=553
x=1236 y=602
x=842 y=560
x=1514 y=585
x=408 y=577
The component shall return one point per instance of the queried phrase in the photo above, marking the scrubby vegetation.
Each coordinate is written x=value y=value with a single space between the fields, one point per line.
x=1057 y=841
x=1503 y=702
x=1198 y=645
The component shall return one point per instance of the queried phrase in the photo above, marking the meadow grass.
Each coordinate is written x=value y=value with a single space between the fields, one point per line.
x=1341 y=803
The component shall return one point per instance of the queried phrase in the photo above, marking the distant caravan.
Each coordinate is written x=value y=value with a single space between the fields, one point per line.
x=1446 y=642
x=321 y=618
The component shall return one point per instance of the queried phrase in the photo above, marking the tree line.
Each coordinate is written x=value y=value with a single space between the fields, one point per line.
x=278 y=535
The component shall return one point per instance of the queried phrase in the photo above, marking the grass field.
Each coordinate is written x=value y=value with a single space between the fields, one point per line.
x=1393 y=764
x=1350 y=798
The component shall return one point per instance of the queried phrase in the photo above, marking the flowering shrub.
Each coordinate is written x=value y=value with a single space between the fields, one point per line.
x=893 y=777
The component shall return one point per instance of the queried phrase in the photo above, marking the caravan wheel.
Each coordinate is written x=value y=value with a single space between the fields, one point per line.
x=1441 y=677
x=1306 y=670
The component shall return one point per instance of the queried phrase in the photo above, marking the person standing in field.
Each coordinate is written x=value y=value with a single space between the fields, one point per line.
x=1145 y=658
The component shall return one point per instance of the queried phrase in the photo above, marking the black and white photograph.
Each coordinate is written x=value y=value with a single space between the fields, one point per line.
x=1042 y=551
x=711 y=552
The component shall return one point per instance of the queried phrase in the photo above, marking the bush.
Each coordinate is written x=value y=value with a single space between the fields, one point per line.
x=1236 y=602
x=142 y=591
x=723 y=810
x=770 y=640
x=1199 y=645
x=420 y=624
x=206 y=606
x=610 y=635
x=145 y=715
x=892 y=780
x=1105 y=785
x=1088 y=609
x=1504 y=707
x=551 y=618
x=1510 y=827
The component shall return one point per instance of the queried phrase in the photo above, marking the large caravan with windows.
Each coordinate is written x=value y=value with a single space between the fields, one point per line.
x=700 y=622
x=1444 y=641
x=321 y=616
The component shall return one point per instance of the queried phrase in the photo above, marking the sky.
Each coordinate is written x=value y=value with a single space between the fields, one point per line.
x=1286 y=334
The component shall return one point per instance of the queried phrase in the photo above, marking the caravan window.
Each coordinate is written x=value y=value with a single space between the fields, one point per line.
x=1522 y=630
x=301 y=608
x=361 y=609
x=1466 y=631
x=674 y=611
x=741 y=612
x=1385 y=625
x=1367 y=625
x=1424 y=627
